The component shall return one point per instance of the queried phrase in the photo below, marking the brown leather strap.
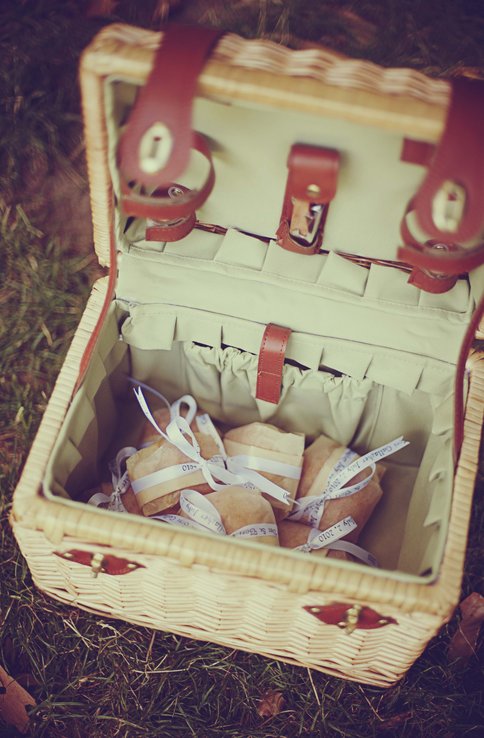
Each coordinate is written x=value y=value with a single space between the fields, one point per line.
x=436 y=265
x=271 y=363
x=312 y=179
x=448 y=262
x=170 y=231
x=459 y=158
x=167 y=208
x=167 y=99
x=417 y=152
x=459 y=403
x=458 y=162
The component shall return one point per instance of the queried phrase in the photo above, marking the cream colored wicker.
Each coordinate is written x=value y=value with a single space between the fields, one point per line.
x=215 y=589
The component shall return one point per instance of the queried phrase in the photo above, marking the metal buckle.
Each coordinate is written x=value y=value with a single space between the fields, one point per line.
x=305 y=222
x=448 y=206
x=352 y=615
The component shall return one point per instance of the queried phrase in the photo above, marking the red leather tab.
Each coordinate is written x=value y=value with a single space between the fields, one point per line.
x=417 y=152
x=312 y=179
x=271 y=363
x=335 y=614
x=110 y=564
x=459 y=159
x=313 y=173
x=167 y=99
x=450 y=261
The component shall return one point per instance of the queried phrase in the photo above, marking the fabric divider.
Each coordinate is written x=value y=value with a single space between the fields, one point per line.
x=92 y=418
x=375 y=307
x=158 y=326
x=426 y=523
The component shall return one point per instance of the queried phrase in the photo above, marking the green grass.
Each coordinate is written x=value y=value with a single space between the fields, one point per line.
x=100 y=678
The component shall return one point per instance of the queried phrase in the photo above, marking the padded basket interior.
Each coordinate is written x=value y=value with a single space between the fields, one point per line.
x=407 y=530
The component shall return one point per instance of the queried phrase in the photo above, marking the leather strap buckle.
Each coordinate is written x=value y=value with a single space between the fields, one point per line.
x=271 y=363
x=154 y=149
x=311 y=185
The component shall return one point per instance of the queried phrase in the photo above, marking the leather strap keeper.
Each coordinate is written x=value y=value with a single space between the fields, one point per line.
x=166 y=208
x=271 y=363
x=312 y=180
x=170 y=230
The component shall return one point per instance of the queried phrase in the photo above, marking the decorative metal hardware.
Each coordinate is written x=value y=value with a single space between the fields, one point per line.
x=155 y=148
x=448 y=206
x=100 y=563
x=97 y=564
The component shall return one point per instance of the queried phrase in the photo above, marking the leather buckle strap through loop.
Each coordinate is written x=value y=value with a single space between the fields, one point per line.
x=311 y=185
x=154 y=149
x=448 y=205
x=164 y=207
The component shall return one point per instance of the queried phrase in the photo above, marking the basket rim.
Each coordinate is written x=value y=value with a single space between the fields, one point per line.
x=60 y=521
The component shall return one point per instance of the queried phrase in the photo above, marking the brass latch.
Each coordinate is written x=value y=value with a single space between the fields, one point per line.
x=350 y=622
x=97 y=564
x=100 y=563
x=349 y=617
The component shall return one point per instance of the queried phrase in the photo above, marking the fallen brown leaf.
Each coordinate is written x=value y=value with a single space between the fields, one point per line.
x=270 y=704
x=464 y=640
x=101 y=7
x=13 y=700
x=395 y=720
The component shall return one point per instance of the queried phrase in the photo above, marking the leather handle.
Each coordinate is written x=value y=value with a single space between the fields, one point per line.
x=271 y=363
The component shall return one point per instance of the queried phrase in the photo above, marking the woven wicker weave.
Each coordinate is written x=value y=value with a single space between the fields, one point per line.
x=206 y=588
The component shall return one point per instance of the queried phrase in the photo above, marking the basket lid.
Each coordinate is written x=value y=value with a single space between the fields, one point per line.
x=254 y=100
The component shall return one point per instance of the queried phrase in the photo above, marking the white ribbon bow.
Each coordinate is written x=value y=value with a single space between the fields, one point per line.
x=203 y=515
x=219 y=471
x=310 y=509
x=120 y=481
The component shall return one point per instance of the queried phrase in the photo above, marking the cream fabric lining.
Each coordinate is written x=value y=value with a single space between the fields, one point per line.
x=103 y=417
x=250 y=146
x=320 y=295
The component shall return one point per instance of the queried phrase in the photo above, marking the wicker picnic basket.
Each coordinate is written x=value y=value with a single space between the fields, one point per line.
x=370 y=356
